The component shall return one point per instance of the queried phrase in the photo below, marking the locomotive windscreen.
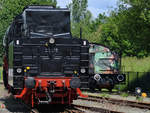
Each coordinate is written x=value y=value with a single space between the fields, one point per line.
x=47 y=22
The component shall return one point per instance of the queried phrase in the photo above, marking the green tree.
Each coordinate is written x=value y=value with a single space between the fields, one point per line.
x=84 y=24
x=127 y=28
x=81 y=18
x=79 y=9
x=101 y=19
x=139 y=15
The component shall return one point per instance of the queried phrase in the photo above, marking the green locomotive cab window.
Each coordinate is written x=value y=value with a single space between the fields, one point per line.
x=102 y=60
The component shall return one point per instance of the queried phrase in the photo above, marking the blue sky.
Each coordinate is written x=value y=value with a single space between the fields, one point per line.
x=95 y=6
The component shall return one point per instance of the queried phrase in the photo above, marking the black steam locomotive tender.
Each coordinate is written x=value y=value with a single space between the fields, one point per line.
x=42 y=61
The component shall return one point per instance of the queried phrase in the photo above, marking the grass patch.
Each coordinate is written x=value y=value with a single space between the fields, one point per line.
x=124 y=94
x=139 y=98
x=105 y=95
x=135 y=64
x=1 y=76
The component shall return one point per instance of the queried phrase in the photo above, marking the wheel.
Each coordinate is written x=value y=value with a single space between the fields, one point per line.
x=5 y=79
x=92 y=84
x=92 y=90
x=100 y=89
x=111 y=85
x=110 y=89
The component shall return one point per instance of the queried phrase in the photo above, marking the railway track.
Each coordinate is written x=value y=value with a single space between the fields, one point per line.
x=95 y=109
x=136 y=104
x=77 y=108
x=41 y=109
x=72 y=110
x=34 y=110
x=81 y=109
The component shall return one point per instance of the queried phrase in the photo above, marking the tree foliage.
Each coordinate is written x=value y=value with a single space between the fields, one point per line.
x=127 y=29
x=79 y=10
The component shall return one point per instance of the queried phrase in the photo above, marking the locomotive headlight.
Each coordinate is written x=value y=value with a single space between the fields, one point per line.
x=75 y=82
x=51 y=40
x=75 y=72
x=19 y=70
x=83 y=70
x=138 y=91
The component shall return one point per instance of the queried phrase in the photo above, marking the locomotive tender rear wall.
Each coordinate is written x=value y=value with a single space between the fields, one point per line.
x=61 y=58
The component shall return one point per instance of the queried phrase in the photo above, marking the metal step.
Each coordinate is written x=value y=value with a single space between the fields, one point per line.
x=84 y=54
x=18 y=53
x=84 y=66
x=17 y=59
x=84 y=60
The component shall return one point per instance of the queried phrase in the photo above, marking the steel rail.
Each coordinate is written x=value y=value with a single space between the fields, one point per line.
x=95 y=109
x=136 y=104
x=73 y=111
x=34 y=110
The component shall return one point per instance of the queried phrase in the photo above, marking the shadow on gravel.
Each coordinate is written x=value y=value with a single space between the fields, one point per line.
x=51 y=108
x=14 y=105
x=1 y=83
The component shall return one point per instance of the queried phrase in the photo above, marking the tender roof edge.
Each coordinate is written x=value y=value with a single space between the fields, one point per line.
x=45 y=8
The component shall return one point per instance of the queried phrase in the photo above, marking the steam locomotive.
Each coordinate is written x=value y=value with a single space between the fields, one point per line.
x=42 y=61
x=104 y=68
